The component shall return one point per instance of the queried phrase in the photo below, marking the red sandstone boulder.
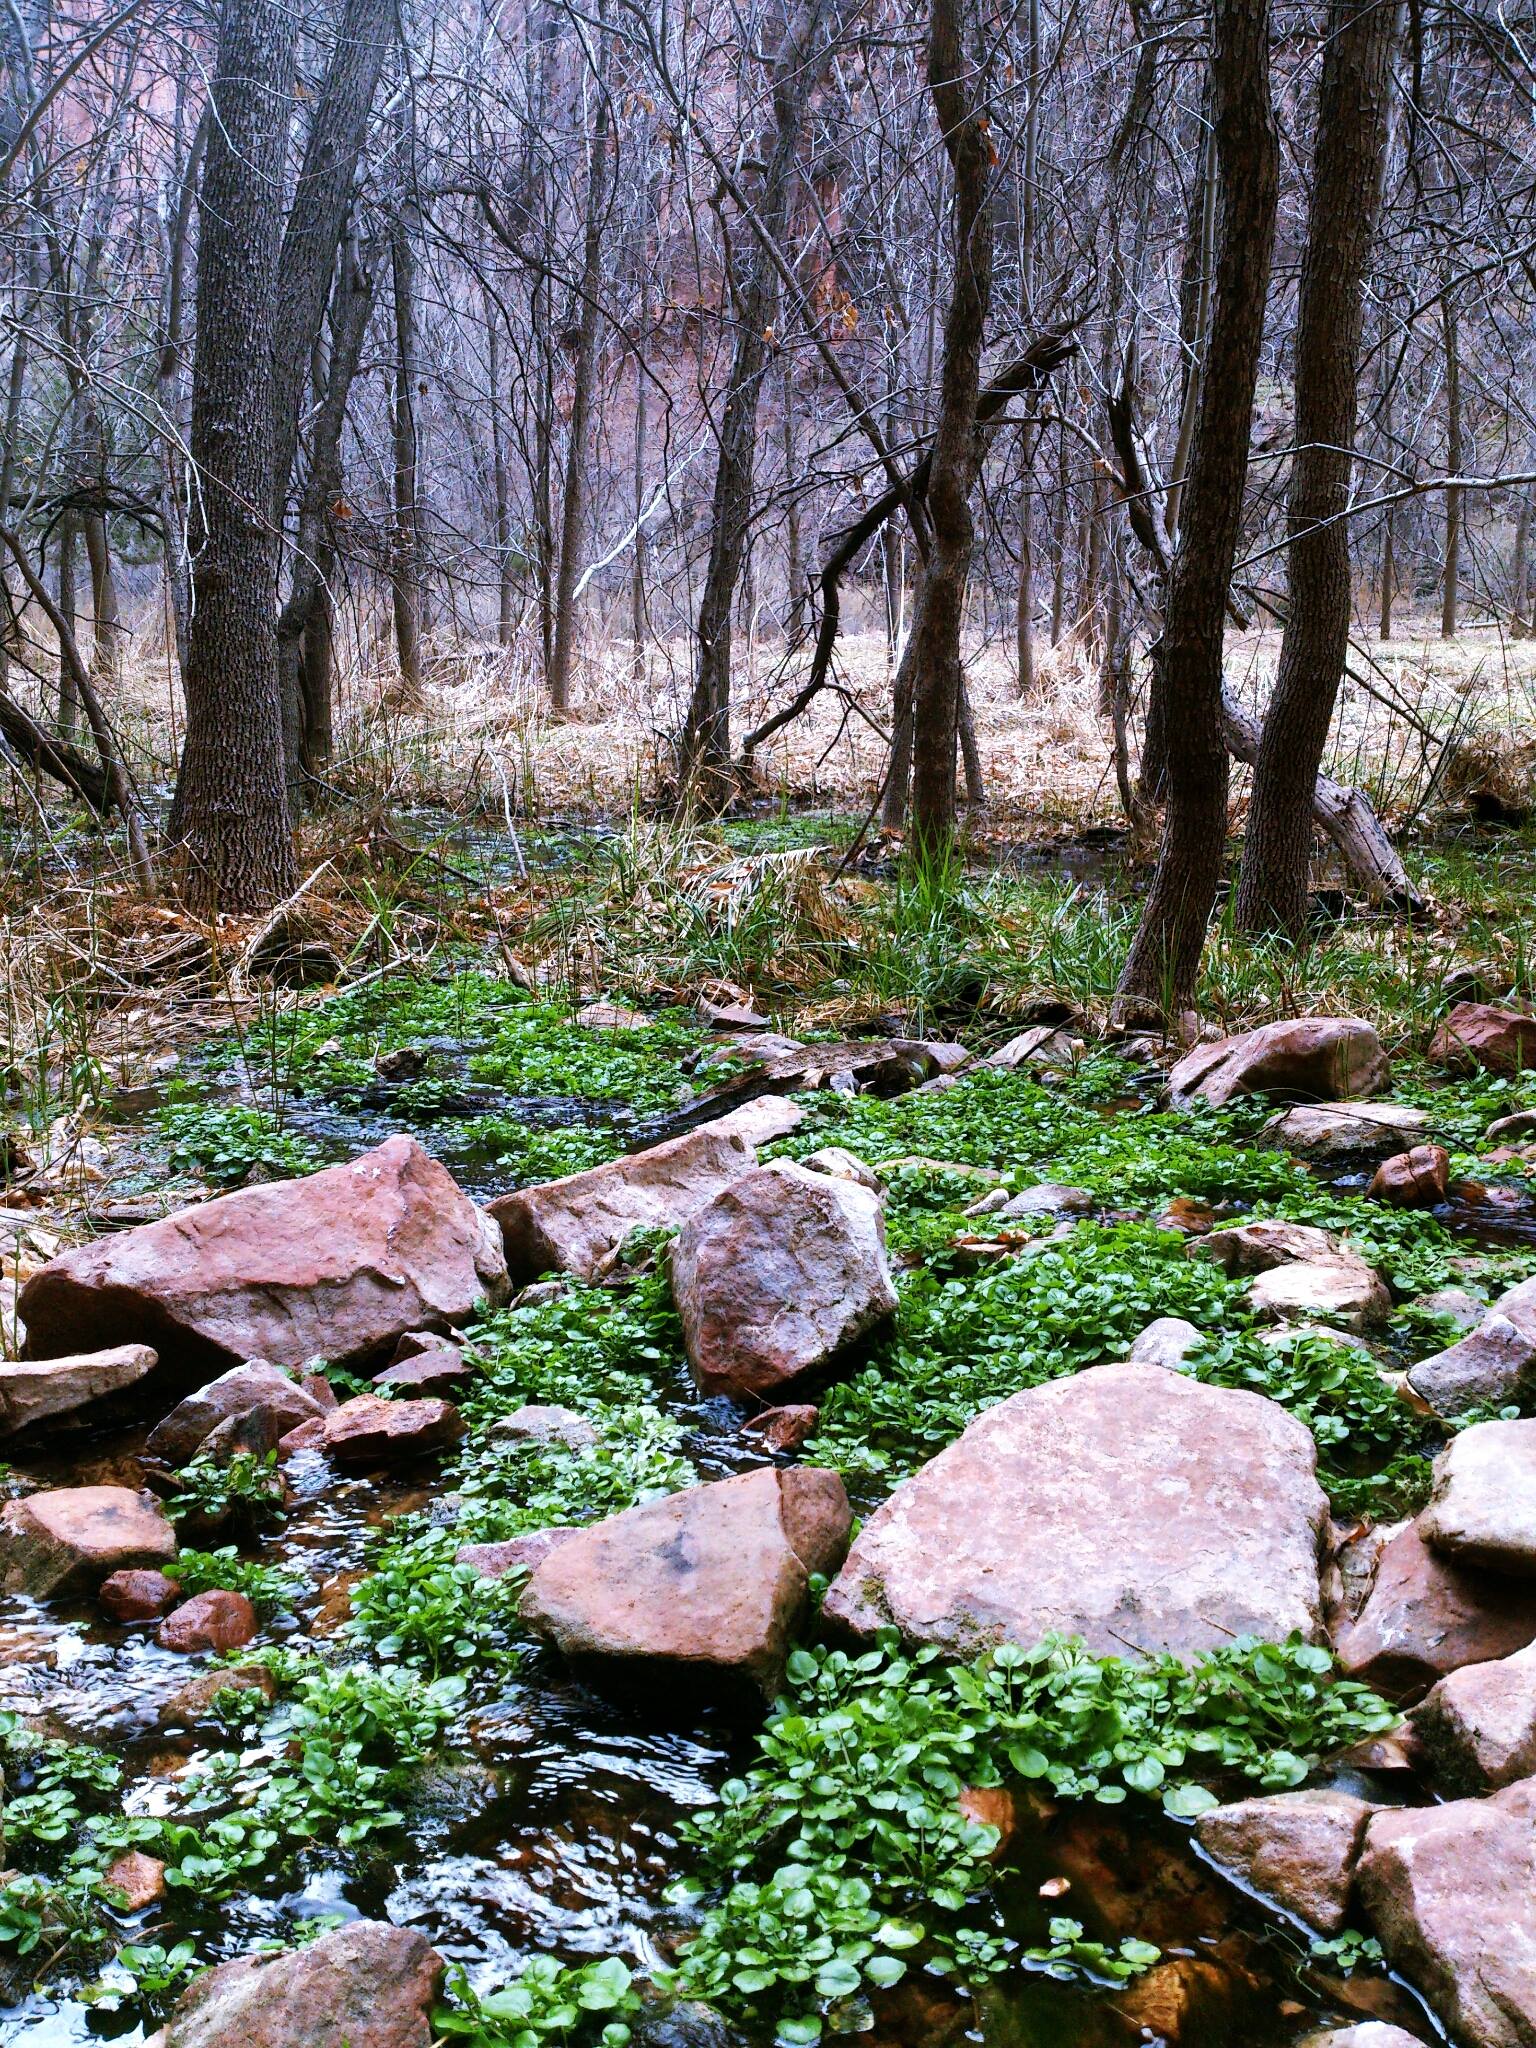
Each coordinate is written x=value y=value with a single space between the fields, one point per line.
x=1426 y=1615
x=137 y=1595
x=777 y=1276
x=216 y=1620
x=443 y=1374
x=371 y=1431
x=579 y=1221
x=783 y=1429
x=1476 y=1729
x=1482 y=1509
x=514 y=1553
x=55 y=1389
x=76 y=1536
x=1306 y=1059
x=255 y=1388
x=367 y=1985
x=139 y=1878
x=338 y=1265
x=1451 y=1893
x=1129 y=1505
x=1494 y=1363
x=1262 y=1246
x=1481 y=1035
x=702 y=1591
x=1297 y=1848
x=1416 y=1179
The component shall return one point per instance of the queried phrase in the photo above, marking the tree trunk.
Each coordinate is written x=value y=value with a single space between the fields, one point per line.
x=1346 y=184
x=1159 y=976
x=405 y=563
x=705 y=745
x=1454 y=457
x=230 y=815
x=930 y=663
x=1520 y=572
x=573 y=505
x=69 y=691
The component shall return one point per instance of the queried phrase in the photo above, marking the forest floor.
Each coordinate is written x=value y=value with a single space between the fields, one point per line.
x=443 y=962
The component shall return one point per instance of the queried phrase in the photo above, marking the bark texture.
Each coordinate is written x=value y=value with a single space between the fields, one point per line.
x=230 y=816
x=1346 y=183
x=1160 y=974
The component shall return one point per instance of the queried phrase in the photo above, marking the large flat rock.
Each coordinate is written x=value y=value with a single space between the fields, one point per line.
x=1451 y=1893
x=69 y=1539
x=337 y=1265
x=1482 y=1508
x=55 y=1389
x=1134 y=1507
x=1303 y=1059
x=699 y=1593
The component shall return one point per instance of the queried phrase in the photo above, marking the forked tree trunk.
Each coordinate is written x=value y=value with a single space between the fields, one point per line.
x=704 y=748
x=1346 y=183
x=930 y=674
x=230 y=815
x=1159 y=976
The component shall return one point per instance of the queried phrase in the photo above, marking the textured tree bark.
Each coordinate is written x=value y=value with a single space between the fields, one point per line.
x=69 y=692
x=1159 y=976
x=406 y=575
x=1455 y=455
x=704 y=748
x=230 y=815
x=930 y=663
x=1346 y=182
x=573 y=507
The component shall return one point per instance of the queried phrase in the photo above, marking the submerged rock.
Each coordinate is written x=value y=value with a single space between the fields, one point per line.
x=57 y=1389
x=783 y=1429
x=777 y=1276
x=76 y=1536
x=365 y=1985
x=1297 y=1848
x=1340 y=1133
x=1482 y=1510
x=137 y=1595
x=577 y=1223
x=1451 y=1893
x=1426 y=1615
x=1482 y=1035
x=1320 y=1059
x=1132 y=1506
x=1477 y=1727
x=338 y=1265
x=255 y=1387
x=707 y=1587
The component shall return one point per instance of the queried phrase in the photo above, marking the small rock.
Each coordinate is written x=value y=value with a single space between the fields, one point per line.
x=255 y=1434
x=1496 y=1364
x=1451 y=1893
x=612 y=1017
x=989 y=1203
x=216 y=1620
x=1455 y=1304
x=418 y=1343
x=194 y=1702
x=1167 y=1342
x=1338 y=1133
x=1260 y=1247
x=546 y=1423
x=1297 y=1848
x=74 y=1537
x=1041 y=1045
x=1518 y=1304
x=1137 y=1508
x=368 y=1431
x=1482 y=1035
x=51 y=1390
x=1522 y=1124
x=577 y=1222
x=137 y=1595
x=710 y=1584
x=365 y=1985
x=339 y=1265
x=1369 y=2034
x=783 y=1429
x=1426 y=1615
x=1321 y=1059
x=403 y=1062
x=140 y=1878
x=1345 y=1289
x=443 y=1374
x=839 y=1164
x=309 y=1436
x=1050 y=1198
x=514 y=1554
x=1187 y=1216
x=1476 y=1728
x=1482 y=1510
x=1416 y=1179
x=992 y=1806
x=777 y=1276
x=243 y=1390
x=734 y=1013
